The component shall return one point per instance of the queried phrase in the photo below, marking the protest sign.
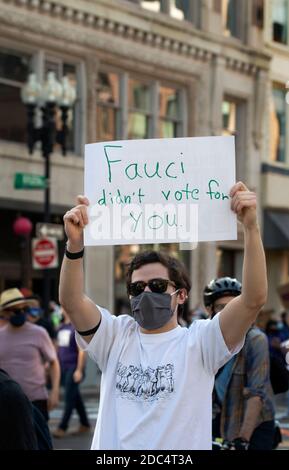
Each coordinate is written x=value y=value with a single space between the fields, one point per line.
x=160 y=190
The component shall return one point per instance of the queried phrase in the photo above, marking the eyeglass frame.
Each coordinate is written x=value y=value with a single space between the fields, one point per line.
x=168 y=281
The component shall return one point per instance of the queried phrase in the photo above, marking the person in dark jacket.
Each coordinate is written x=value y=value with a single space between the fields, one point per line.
x=22 y=425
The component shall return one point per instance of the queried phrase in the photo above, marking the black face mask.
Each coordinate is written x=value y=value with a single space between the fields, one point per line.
x=18 y=319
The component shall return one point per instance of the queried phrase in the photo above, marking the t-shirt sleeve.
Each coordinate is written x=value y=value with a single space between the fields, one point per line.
x=214 y=350
x=46 y=346
x=110 y=331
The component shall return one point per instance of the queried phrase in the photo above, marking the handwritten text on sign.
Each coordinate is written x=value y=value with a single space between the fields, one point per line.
x=160 y=190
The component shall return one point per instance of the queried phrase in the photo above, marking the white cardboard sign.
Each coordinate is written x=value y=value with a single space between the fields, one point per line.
x=160 y=190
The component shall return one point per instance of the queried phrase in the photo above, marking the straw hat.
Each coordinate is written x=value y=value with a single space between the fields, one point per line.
x=12 y=297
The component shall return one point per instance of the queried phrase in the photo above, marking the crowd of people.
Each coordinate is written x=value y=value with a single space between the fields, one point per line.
x=37 y=355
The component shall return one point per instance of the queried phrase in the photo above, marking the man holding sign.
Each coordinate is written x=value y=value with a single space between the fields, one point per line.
x=157 y=378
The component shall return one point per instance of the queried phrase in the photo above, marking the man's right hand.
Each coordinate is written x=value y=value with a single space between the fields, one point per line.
x=74 y=222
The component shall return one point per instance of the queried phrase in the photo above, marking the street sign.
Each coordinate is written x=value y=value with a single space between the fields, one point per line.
x=49 y=230
x=29 y=181
x=44 y=253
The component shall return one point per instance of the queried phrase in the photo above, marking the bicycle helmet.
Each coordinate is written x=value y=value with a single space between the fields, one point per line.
x=222 y=287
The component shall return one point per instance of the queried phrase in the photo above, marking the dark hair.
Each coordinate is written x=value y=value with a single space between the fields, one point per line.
x=177 y=271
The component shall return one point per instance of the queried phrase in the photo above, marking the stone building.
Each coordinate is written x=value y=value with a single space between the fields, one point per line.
x=145 y=69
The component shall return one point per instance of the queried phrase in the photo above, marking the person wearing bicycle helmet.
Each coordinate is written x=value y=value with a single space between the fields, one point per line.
x=224 y=288
x=243 y=410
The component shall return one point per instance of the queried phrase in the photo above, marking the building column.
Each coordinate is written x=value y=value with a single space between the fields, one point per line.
x=99 y=287
x=203 y=102
x=211 y=19
x=202 y=270
x=207 y=102
x=255 y=33
x=256 y=131
x=92 y=66
x=99 y=278
x=217 y=94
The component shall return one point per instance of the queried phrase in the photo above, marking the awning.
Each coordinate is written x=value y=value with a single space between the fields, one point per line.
x=276 y=230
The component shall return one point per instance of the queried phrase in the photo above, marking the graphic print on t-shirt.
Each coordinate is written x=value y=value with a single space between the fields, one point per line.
x=137 y=384
x=63 y=338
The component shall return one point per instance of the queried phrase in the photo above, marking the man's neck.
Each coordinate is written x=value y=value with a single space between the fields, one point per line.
x=171 y=325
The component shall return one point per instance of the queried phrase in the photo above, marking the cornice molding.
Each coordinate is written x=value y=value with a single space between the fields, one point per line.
x=84 y=16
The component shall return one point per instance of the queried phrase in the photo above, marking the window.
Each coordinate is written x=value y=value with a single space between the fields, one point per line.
x=230 y=18
x=280 y=21
x=14 y=69
x=62 y=69
x=139 y=103
x=229 y=263
x=169 y=113
x=258 y=13
x=225 y=262
x=229 y=117
x=107 y=106
x=179 y=9
x=278 y=124
x=234 y=124
x=152 y=5
x=149 y=108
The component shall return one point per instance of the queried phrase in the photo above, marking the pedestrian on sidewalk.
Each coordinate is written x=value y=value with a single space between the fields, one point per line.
x=35 y=315
x=157 y=377
x=25 y=351
x=72 y=364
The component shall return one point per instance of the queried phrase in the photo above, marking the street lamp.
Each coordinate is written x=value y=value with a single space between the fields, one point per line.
x=48 y=97
x=22 y=227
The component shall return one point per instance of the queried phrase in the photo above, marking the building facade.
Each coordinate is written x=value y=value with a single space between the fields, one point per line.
x=275 y=159
x=144 y=69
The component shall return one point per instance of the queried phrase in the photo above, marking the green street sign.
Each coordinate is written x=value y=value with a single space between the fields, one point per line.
x=29 y=181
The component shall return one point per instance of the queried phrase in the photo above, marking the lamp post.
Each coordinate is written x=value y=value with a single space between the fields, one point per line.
x=48 y=97
x=22 y=227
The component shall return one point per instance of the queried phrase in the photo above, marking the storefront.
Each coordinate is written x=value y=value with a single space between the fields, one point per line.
x=15 y=254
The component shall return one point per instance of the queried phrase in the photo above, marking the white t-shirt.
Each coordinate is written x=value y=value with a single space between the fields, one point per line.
x=156 y=389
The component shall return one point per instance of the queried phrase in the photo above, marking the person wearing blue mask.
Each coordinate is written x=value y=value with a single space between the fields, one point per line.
x=34 y=314
x=24 y=349
x=157 y=377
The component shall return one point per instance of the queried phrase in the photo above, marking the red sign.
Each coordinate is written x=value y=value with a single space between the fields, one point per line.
x=44 y=253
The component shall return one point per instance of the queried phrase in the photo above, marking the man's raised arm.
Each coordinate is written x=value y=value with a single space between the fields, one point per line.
x=239 y=314
x=82 y=311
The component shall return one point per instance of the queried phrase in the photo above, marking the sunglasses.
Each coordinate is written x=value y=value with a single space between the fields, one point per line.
x=159 y=286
